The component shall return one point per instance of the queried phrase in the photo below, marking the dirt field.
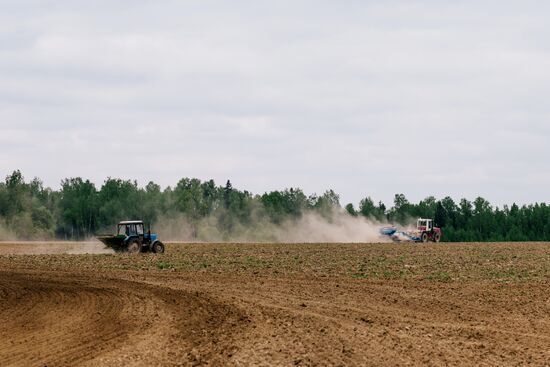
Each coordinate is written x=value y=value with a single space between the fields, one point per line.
x=276 y=304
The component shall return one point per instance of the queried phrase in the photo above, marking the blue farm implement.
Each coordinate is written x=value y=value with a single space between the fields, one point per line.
x=425 y=231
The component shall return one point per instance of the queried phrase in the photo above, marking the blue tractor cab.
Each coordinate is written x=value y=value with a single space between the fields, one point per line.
x=131 y=237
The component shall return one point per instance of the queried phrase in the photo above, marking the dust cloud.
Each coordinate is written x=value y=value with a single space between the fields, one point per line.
x=52 y=247
x=336 y=227
x=92 y=246
x=5 y=233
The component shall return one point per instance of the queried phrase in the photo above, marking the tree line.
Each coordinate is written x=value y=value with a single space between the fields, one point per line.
x=79 y=209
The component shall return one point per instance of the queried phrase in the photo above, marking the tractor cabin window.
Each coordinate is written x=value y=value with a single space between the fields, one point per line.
x=133 y=230
x=140 y=229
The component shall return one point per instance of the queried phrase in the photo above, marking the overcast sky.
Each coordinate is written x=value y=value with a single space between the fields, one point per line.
x=364 y=97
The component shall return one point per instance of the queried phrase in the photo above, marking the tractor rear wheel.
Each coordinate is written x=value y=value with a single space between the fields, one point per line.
x=424 y=237
x=134 y=247
x=437 y=237
x=158 y=247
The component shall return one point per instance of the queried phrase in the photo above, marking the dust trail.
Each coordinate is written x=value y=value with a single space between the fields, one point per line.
x=90 y=247
x=52 y=247
x=339 y=227
x=336 y=227
x=6 y=234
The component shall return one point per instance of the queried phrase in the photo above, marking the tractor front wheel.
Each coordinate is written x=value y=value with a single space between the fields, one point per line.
x=158 y=247
x=437 y=237
x=134 y=247
x=424 y=237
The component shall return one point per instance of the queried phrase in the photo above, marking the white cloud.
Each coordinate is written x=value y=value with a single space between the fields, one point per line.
x=368 y=98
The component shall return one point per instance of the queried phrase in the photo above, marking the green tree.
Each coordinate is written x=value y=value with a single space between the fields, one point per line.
x=351 y=210
x=401 y=211
x=440 y=217
x=79 y=207
x=118 y=200
x=17 y=194
x=367 y=208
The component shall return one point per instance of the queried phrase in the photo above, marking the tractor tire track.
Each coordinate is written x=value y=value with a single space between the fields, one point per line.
x=66 y=319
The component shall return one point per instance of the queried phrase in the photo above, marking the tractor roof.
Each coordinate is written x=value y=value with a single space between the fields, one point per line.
x=131 y=222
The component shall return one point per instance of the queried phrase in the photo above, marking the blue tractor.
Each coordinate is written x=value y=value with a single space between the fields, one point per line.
x=132 y=238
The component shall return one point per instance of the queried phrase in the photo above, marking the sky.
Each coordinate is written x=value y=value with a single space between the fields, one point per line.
x=368 y=98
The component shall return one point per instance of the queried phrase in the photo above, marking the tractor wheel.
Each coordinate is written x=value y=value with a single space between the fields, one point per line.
x=437 y=237
x=134 y=247
x=158 y=247
x=424 y=237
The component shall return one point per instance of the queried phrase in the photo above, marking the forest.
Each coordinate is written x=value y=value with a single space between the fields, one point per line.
x=79 y=209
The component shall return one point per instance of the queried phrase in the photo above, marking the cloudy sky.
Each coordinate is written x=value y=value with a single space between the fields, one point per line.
x=365 y=97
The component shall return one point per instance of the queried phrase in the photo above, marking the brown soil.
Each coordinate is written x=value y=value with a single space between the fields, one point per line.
x=447 y=304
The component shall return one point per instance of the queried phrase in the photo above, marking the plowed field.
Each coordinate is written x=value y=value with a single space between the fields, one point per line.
x=276 y=304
